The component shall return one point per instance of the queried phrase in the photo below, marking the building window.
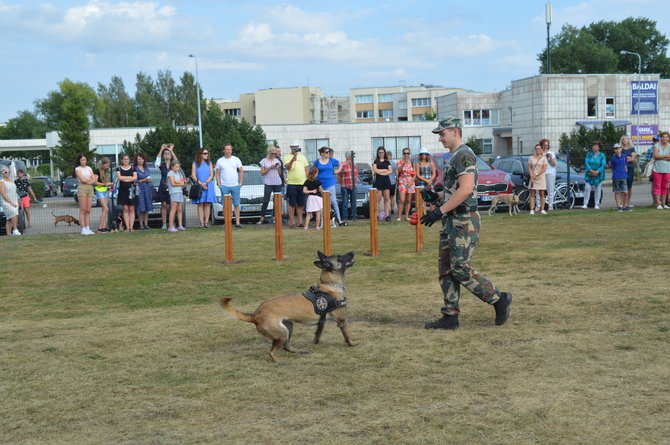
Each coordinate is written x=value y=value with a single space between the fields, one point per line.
x=312 y=147
x=395 y=145
x=509 y=111
x=385 y=98
x=591 y=107
x=421 y=102
x=385 y=113
x=481 y=118
x=419 y=117
x=365 y=99
x=610 y=108
x=368 y=114
x=234 y=112
x=487 y=146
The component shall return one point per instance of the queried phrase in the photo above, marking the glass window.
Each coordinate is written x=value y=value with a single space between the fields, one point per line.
x=610 y=108
x=486 y=117
x=509 y=111
x=482 y=118
x=385 y=113
x=495 y=117
x=517 y=167
x=419 y=117
x=368 y=114
x=311 y=148
x=592 y=107
x=421 y=102
x=365 y=99
x=390 y=145
x=385 y=98
x=467 y=118
x=234 y=112
x=487 y=146
x=394 y=145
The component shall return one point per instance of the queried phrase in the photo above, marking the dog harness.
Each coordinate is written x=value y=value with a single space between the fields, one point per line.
x=323 y=302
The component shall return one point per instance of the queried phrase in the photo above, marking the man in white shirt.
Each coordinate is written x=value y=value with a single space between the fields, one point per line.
x=229 y=178
x=550 y=174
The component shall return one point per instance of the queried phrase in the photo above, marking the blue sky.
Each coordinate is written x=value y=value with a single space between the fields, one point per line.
x=244 y=45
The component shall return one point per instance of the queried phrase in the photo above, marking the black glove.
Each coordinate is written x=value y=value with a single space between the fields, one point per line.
x=429 y=196
x=429 y=218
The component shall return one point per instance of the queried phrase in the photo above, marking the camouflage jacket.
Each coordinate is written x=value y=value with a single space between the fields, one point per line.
x=463 y=161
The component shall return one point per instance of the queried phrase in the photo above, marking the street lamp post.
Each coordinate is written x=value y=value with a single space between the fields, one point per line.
x=547 y=19
x=197 y=89
x=639 y=78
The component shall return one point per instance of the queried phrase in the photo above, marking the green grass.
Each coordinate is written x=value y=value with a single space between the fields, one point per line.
x=119 y=338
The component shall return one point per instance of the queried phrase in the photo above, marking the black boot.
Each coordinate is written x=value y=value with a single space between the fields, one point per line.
x=449 y=322
x=502 y=308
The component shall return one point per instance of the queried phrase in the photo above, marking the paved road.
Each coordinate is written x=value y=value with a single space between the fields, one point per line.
x=42 y=219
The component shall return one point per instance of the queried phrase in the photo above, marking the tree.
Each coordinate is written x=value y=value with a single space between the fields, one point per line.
x=76 y=102
x=52 y=107
x=430 y=115
x=26 y=125
x=475 y=144
x=117 y=107
x=596 y=48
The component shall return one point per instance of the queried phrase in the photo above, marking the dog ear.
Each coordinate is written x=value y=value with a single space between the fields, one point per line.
x=322 y=256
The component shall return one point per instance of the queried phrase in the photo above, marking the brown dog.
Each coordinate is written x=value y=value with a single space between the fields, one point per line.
x=65 y=218
x=274 y=318
x=511 y=199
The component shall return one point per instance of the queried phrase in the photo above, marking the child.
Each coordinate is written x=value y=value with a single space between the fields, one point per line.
x=176 y=182
x=618 y=165
x=312 y=189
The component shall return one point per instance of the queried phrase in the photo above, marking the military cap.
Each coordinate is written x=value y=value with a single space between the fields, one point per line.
x=449 y=122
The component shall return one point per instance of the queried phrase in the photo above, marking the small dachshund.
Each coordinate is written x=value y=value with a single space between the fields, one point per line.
x=65 y=218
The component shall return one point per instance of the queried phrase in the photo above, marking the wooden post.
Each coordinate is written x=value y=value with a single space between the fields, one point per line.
x=279 y=240
x=326 y=223
x=374 y=244
x=228 y=218
x=419 y=213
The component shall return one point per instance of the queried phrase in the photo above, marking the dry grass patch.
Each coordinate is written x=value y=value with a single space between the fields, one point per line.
x=131 y=347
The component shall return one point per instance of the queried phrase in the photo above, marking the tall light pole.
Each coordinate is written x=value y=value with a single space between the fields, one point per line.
x=639 y=79
x=197 y=89
x=547 y=18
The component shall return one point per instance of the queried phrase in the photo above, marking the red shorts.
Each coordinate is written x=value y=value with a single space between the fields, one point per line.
x=25 y=201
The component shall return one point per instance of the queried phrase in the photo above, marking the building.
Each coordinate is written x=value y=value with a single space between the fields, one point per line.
x=395 y=103
x=546 y=106
x=299 y=105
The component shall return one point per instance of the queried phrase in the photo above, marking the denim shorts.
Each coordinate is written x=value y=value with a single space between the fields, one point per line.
x=176 y=197
x=101 y=195
x=233 y=191
x=620 y=185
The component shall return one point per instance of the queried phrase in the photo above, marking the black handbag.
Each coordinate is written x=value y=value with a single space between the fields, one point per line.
x=195 y=192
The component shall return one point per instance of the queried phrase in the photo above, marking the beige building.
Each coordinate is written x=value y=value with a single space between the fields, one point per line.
x=395 y=103
x=299 y=105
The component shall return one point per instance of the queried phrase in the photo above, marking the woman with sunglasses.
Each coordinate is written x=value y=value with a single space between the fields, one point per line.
x=10 y=202
x=406 y=176
x=202 y=172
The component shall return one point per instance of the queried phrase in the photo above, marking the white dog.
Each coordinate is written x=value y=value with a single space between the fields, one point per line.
x=511 y=199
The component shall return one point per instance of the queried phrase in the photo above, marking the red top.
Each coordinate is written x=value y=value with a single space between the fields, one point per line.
x=345 y=175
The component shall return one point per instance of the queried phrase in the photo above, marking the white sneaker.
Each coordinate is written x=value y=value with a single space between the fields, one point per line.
x=543 y=212
x=659 y=207
x=585 y=206
x=15 y=232
x=164 y=227
x=597 y=207
x=666 y=207
x=532 y=212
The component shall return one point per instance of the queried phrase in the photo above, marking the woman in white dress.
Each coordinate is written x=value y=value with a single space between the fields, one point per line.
x=10 y=201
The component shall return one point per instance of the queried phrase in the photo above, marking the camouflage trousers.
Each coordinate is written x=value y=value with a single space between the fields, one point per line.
x=458 y=239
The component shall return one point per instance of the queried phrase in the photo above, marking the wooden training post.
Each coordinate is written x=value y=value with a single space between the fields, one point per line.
x=374 y=244
x=228 y=218
x=419 y=213
x=279 y=240
x=326 y=223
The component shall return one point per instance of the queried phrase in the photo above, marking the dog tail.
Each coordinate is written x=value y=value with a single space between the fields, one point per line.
x=225 y=304
x=52 y=213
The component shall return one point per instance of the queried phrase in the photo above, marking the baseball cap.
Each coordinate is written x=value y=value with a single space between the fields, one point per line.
x=655 y=139
x=449 y=122
x=295 y=143
x=617 y=146
x=424 y=151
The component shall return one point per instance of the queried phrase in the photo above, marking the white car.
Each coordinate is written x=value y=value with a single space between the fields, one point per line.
x=251 y=198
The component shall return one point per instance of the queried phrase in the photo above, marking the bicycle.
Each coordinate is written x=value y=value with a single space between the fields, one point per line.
x=563 y=199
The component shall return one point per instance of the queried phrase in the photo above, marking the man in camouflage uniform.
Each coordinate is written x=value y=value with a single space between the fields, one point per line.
x=460 y=231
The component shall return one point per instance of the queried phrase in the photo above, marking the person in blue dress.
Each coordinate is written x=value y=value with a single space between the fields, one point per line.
x=203 y=173
x=328 y=169
x=144 y=190
x=594 y=174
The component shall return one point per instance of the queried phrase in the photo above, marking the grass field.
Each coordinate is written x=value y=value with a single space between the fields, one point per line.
x=119 y=339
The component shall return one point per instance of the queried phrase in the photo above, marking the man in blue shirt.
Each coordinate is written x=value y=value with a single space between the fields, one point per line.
x=618 y=164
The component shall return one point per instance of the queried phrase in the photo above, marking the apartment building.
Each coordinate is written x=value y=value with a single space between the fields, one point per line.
x=546 y=106
x=395 y=103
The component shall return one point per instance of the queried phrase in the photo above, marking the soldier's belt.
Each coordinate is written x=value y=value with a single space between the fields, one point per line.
x=462 y=210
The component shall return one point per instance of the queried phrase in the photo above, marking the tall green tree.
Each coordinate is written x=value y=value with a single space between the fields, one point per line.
x=117 y=107
x=26 y=125
x=596 y=48
x=77 y=100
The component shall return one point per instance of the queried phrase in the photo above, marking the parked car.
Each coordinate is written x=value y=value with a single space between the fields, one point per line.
x=491 y=181
x=365 y=172
x=50 y=188
x=362 y=197
x=155 y=219
x=251 y=197
x=517 y=167
x=69 y=186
